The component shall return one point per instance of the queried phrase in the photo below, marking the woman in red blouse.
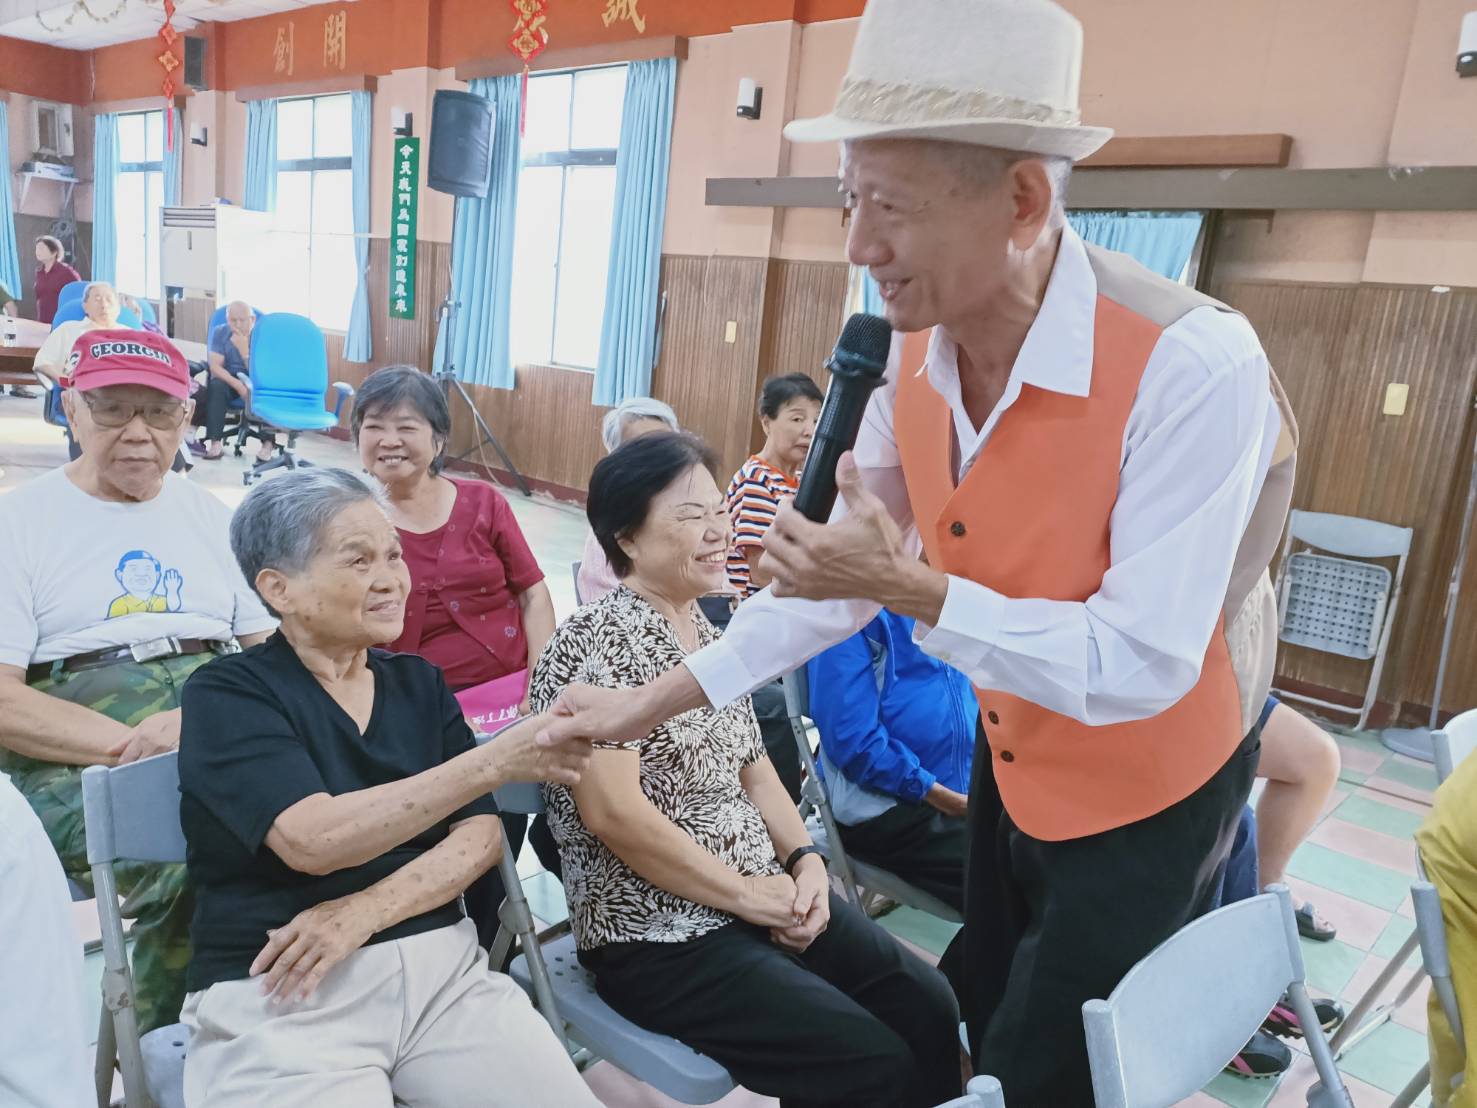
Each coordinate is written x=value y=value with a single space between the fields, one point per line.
x=52 y=274
x=478 y=605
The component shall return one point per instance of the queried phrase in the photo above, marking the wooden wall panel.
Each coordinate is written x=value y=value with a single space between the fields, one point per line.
x=1336 y=348
x=804 y=306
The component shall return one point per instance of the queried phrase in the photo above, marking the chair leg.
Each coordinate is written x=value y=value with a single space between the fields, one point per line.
x=1406 y=1097
x=118 y=992
x=104 y=1063
x=1355 y=1026
x=515 y=917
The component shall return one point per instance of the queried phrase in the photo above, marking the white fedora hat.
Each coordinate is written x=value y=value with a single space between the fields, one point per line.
x=1000 y=73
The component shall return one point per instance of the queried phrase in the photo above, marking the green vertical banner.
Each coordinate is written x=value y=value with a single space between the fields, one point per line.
x=405 y=197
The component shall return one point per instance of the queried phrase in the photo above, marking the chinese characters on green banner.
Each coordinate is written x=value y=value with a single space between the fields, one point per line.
x=405 y=196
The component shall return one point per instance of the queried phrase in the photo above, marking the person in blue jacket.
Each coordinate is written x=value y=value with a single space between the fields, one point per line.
x=897 y=730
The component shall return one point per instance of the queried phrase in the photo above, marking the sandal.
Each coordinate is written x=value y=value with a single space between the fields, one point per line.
x=1263 y=1056
x=1284 y=1022
x=1313 y=926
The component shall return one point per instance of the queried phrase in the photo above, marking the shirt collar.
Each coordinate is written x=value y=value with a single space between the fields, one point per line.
x=1057 y=354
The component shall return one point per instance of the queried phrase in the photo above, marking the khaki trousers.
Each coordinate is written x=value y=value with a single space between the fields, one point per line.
x=419 y=1022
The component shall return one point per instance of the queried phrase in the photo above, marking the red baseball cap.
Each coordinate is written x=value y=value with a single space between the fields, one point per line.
x=127 y=357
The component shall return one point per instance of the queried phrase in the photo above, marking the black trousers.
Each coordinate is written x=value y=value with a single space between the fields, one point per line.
x=218 y=397
x=1051 y=925
x=925 y=848
x=855 y=1020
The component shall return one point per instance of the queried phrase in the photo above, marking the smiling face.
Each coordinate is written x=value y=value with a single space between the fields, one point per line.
x=397 y=443
x=681 y=549
x=351 y=594
x=937 y=243
x=139 y=576
x=787 y=435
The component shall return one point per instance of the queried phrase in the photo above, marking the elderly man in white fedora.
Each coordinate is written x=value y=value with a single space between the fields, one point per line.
x=1096 y=464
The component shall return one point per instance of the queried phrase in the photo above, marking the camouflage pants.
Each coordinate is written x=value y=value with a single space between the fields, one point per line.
x=156 y=897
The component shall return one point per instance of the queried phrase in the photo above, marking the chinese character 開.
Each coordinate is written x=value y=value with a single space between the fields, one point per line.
x=336 y=41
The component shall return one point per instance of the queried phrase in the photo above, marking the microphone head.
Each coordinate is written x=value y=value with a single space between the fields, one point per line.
x=863 y=346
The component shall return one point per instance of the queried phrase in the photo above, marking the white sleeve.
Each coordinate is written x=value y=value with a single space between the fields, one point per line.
x=1194 y=460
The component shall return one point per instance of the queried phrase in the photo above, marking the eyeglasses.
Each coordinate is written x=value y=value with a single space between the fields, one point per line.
x=163 y=415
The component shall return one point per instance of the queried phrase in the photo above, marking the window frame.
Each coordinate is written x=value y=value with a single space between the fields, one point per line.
x=144 y=168
x=564 y=160
x=313 y=165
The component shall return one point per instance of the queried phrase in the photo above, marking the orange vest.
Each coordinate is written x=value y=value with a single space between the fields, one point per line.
x=1031 y=519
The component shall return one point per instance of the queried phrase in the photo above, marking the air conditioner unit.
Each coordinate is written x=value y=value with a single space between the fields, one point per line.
x=51 y=124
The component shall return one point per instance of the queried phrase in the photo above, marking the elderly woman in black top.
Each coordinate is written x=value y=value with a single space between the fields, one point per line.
x=696 y=897
x=335 y=806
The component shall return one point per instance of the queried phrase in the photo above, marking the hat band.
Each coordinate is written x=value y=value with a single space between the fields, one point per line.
x=901 y=102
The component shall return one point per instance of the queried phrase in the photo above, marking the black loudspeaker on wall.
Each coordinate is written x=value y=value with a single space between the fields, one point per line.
x=195 y=63
x=461 y=144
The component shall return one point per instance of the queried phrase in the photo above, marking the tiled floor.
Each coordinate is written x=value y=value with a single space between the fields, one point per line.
x=1356 y=866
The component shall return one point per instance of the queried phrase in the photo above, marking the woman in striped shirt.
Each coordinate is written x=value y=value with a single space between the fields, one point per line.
x=788 y=409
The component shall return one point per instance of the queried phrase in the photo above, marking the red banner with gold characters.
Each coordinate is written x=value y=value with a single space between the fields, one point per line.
x=528 y=41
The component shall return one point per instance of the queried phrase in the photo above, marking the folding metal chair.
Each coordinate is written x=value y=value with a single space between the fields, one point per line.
x=132 y=814
x=1451 y=745
x=826 y=833
x=1340 y=601
x=1141 y=1060
x=567 y=999
x=574 y=571
x=1430 y=930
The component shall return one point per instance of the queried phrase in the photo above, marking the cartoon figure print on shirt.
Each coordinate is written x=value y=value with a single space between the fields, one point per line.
x=147 y=586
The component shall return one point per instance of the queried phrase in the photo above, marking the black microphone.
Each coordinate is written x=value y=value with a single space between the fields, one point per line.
x=856 y=366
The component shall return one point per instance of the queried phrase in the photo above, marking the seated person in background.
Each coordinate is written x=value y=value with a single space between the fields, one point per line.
x=132 y=304
x=334 y=807
x=8 y=307
x=45 y=1060
x=897 y=731
x=626 y=421
x=478 y=605
x=52 y=275
x=118 y=584
x=228 y=357
x=696 y=898
x=100 y=303
x=1448 y=846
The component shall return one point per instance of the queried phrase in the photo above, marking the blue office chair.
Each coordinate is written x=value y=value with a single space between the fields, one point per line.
x=72 y=290
x=147 y=313
x=288 y=374
x=71 y=312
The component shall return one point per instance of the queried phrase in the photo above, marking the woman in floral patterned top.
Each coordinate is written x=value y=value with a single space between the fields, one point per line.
x=695 y=896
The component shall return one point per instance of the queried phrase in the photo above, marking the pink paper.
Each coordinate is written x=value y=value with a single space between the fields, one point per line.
x=494 y=704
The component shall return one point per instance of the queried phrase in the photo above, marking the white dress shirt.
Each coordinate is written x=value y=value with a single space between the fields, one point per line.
x=1196 y=449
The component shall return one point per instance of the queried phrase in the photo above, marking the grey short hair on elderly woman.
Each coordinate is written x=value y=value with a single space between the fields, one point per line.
x=386 y=389
x=613 y=426
x=280 y=524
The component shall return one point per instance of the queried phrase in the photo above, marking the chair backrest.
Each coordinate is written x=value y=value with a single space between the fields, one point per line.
x=72 y=290
x=289 y=360
x=1138 y=1057
x=72 y=312
x=132 y=811
x=1454 y=742
x=146 y=312
x=1349 y=536
x=574 y=570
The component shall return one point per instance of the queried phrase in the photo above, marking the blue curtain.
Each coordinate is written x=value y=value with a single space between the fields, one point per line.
x=628 y=331
x=260 y=192
x=482 y=251
x=104 y=198
x=10 y=261
x=358 y=343
x=174 y=161
x=1162 y=241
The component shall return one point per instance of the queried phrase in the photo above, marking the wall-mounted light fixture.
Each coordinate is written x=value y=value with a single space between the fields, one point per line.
x=402 y=122
x=750 y=98
x=199 y=135
x=1466 y=47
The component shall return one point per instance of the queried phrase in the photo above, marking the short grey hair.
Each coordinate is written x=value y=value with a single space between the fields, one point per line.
x=985 y=165
x=613 y=426
x=281 y=522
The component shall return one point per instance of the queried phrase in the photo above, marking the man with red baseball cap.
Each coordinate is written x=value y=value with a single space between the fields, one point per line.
x=119 y=583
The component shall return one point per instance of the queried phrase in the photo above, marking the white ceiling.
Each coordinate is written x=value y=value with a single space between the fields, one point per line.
x=121 y=20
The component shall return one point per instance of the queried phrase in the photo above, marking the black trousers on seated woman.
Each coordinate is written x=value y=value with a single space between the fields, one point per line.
x=855 y=1020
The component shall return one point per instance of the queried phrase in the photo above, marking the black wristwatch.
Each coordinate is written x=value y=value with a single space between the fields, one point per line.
x=800 y=852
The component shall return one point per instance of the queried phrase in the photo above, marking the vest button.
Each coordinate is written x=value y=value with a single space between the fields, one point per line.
x=993 y=717
x=957 y=529
x=1007 y=756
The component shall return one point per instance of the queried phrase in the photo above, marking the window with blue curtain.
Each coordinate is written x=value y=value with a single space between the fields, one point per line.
x=628 y=332
x=358 y=343
x=260 y=187
x=174 y=162
x=1161 y=241
x=139 y=193
x=10 y=263
x=482 y=252
x=105 y=166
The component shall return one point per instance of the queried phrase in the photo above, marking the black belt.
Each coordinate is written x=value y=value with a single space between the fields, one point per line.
x=150 y=650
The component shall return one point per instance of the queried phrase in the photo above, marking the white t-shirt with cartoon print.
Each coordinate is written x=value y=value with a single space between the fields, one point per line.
x=79 y=574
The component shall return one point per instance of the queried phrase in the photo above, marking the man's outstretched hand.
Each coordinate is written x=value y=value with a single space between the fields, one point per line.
x=597 y=715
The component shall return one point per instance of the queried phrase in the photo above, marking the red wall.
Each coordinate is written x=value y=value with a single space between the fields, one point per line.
x=46 y=72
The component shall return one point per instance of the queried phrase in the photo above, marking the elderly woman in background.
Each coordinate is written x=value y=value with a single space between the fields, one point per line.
x=52 y=275
x=626 y=421
x=478 y=605
x=335 y=807
x=696 y=897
